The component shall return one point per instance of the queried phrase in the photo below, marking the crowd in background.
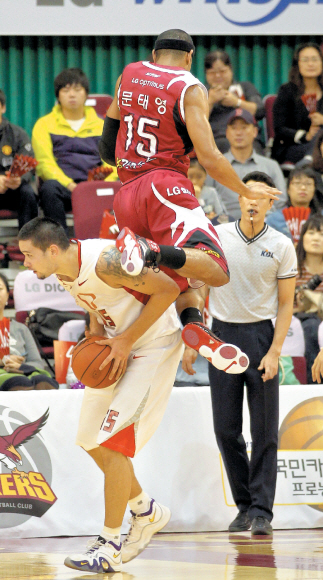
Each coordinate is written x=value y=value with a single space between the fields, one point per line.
x=65 y=145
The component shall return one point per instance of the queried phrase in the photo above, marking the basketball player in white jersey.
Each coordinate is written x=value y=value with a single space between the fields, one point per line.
x=138 y=317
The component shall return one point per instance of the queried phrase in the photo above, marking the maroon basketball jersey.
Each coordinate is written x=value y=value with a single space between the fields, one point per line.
x=152 y=130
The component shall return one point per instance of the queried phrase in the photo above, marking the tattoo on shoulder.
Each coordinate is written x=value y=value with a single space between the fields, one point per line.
x=109 y=263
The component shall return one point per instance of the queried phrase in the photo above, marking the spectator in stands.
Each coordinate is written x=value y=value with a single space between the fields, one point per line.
x=66 y=144
x=298 y=109
x=310 y=262
x=301 y=191
x=207 y=196
x=241 y=133
x=317 y=164
x=21 y=367
x=225 y=95
x=17 y=193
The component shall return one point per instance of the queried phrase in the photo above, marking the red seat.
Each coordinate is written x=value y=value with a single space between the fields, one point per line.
x=12 y=252
x=15 y=253
x=89 y=200
x=100 y=103
x=8 y=214
x=300 y=369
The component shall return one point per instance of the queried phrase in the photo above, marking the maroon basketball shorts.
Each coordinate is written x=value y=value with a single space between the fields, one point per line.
x=161 y=205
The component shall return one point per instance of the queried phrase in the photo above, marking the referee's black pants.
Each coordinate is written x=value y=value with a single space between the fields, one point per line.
x=253 y=482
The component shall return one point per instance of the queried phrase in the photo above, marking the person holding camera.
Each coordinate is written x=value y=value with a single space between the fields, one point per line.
x=309 y=287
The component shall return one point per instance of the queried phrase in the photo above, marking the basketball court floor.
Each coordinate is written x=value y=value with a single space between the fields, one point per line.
x=288 y=555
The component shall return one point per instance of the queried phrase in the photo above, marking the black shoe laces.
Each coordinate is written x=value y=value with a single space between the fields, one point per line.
x=97 y=544
x=150 y=256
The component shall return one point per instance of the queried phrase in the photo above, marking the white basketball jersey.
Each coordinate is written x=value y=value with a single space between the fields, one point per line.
x=115 y=308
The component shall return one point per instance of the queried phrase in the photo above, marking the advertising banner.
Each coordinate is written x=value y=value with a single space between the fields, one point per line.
x=150 y=17
x=51 y=487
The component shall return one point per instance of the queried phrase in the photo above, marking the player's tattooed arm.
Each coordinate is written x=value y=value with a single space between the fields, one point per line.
x=109 y=267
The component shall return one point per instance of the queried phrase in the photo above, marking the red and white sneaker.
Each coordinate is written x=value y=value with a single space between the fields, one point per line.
x=223 y=356
x=137 y=253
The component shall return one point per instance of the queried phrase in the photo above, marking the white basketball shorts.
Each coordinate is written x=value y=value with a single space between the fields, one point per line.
x=125 y=415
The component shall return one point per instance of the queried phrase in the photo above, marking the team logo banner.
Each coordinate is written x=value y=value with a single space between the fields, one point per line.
x=29 y=495
x=50 y=487
x=45 y=478
x=24 y=489
x=150 y=17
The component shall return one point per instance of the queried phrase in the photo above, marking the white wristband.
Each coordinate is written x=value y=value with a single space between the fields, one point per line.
x=239 y=103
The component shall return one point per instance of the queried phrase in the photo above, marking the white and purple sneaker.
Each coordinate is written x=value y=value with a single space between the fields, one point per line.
x=222 y=355
x=100 y=557
x=142 y=528
x=137 y=253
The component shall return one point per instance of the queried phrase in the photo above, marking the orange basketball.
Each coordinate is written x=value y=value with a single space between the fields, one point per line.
x=302 y=429
x=86 y=358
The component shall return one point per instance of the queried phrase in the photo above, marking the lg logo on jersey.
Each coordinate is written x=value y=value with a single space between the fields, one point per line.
x=81 y=3
x=177 y=190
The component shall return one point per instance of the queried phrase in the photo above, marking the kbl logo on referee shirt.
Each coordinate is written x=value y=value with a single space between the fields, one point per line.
x=267 y=254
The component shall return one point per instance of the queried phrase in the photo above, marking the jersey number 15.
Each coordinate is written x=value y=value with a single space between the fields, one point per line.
x=142 y=148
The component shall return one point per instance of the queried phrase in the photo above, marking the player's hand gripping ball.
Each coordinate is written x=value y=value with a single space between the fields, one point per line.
x=87 y=357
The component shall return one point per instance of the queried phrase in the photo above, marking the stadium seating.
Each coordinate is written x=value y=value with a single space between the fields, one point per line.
x=89 y=200
x=31 y=293
x=8 y=233
x=300 y=369
x=100 y=103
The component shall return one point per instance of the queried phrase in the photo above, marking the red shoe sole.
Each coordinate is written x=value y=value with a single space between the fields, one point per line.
x=120 y=239
x=196 y=336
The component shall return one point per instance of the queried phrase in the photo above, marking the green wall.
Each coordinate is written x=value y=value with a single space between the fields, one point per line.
x=29 y=64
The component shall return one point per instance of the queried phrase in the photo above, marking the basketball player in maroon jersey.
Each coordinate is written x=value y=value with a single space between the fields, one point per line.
x=159 y=113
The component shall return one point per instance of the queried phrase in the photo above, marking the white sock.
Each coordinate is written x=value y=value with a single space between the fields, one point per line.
x=140 y=504
x=111 y=534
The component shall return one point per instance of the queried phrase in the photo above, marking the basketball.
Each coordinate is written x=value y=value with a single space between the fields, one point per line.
x=87 y=356
x=302 y=429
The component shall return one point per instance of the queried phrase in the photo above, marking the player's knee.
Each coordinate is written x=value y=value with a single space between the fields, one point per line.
x=218 y=277
x=112 y=455
x=49 y=190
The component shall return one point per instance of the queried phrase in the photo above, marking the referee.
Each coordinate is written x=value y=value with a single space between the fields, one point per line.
x=263 y=267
